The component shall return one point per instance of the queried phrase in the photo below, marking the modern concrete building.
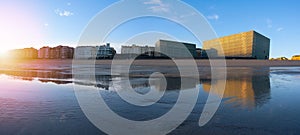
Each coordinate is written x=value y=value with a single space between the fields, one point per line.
x=105 y=52
x=175 y=49
x=243 y=45
x=134 y=49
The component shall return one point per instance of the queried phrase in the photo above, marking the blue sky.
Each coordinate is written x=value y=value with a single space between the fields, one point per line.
x=38 y=23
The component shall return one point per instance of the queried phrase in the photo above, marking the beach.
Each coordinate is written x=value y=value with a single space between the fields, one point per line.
x=257 y=92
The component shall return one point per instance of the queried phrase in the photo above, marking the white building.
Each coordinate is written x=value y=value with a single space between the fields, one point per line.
x=94 y=52
x=85 y=52
x=134 y=49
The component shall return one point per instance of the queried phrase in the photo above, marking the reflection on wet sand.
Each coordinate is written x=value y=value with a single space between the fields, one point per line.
x=249 y=88
x=175 y=83
x=53 y=76
x=105 y=82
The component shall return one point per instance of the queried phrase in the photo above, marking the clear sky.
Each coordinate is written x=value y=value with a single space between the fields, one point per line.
x=37 y=23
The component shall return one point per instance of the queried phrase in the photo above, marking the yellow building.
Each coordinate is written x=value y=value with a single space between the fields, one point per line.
x=296 y=57
x=242 y=45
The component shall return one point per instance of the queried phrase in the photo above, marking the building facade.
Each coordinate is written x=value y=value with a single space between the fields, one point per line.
x=59 y=52
x=137 y=50
x=94 y=52
x=175 y=49
x=66 y=52
x=105 y=52
x=26 y=53
x=243 y=45
x=30 y=53
x=296 y=57
x=44 y=52
x=85 y=52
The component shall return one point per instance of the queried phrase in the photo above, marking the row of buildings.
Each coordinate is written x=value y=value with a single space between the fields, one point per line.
x=26 y=53
x=58 y=52
x=98 y=52
x=248 y=45
x=65 y=52
x=245 y=45
x=162 y=49
x=134 y=49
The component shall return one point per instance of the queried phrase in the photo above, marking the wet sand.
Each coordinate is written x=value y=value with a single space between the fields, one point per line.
x=63 y=64
x=256 y=94
x=139 y=68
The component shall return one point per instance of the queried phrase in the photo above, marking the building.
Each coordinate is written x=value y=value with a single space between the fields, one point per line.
x=243 y=45
x=85 y=52
x=67 y=52
x=209 y=53
x=199 y=52
x=296 y=57
x=175 y=49
x=95 y=52
x=44 y=52
x=26 y=53
x=30 y=53
x=64 y=52
x=59 y=52
x=52 y=53
x=134 y=49
x=105 y=52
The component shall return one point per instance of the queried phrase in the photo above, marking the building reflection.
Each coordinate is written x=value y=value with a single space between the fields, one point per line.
x=247 y=88
x=56 y=77
x=59 y=77
x=98 y=81
x=105 y=82
x=175 y=83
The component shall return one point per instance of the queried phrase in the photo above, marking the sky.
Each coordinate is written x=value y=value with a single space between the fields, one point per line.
x=37 y=23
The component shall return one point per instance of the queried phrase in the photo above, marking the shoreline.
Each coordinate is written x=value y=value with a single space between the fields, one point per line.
x=154 y=62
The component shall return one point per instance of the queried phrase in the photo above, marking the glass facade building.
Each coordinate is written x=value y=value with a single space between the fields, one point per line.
x=243 y=45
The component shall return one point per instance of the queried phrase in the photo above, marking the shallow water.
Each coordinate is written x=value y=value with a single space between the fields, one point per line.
x=255 y=101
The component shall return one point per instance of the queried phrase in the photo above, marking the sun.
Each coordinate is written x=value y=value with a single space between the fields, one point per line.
x=3 y=54
x=20 y=27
